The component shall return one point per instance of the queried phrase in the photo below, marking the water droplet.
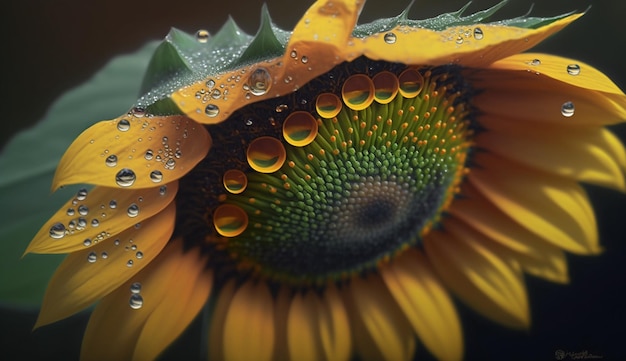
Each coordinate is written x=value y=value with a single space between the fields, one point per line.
x=129 y=263
x=133 y=210
x=123 y=125
x=535 y=62
x=266 y=154
x=136 y=301
x=81 y=195
x=162 y=190
x=249 y=122
x=386 y=86
x=390 y=38
x=210 y=84
x=358 y=92
x=113 y=204
x=567 y=109
x=212 y=110
x=202 y=36
x=111 y=160
x=293 y=54
x=92 y=257
x=70 y=212
x=82 y=223
x=83 y=210
x=259 y=81
x=57 y=230
x=125 y=177
x=300 y=128
x=138 y=112
x=87 y=242
x=459 y=39
x=230 y=220
x=281 y=108
x=135 y=288
x=104 y=255
x=156 y=176
x=304 y=59
x=411 y=83
x=116 y=242
x=139 y=255
x=478 y=33
x=328 y=105
x=235 y=181
x=573 y=69
x=95 y=223
x=149 y=154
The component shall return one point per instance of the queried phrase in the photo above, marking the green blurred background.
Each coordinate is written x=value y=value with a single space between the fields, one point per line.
x=50 y=47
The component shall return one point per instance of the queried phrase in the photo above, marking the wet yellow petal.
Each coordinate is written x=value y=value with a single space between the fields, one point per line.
x=555 y=208
x=426 y=304
x=491 y=285
x=381 y=331
x=317 y=42
x=532 y=251
x=129 y=208
x=452 y=45
x=87 y=275
x=582 y=153
x=174 y=284
x=146 y=152
x=334 y=326
x=303 y=334
x=218 y=316
x=249 y=326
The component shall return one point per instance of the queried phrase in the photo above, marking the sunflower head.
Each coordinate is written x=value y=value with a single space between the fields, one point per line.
x=322 y=191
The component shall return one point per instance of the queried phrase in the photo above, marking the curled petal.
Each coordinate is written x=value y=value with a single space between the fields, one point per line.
x=86 y=276
x=112 y=210
x=131 y=152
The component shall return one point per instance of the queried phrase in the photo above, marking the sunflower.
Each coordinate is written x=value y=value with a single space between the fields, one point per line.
x=325 y=193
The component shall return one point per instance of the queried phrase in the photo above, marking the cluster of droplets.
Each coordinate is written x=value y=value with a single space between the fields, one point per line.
x=59 y=230
x=462 y=35
x=567 y=108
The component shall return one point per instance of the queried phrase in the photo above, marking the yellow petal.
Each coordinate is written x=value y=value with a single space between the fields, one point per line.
x=426 y=304
x=381 y=331
x=86 y=276
x=130 y=207
x=320 y=37
x=249 y=326
x=218 y=316
x=281 y=314
x=582 y=153
x=492 y=286
x=555 y=208
x=334 y=326
x=175 y=284
x=303 y=334
x=157 y=150
x=534 y=253
x=502 y=93
x=451 y=45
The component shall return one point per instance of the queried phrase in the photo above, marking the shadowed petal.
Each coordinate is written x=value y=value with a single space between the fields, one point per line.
x=334 y=326
x=491 y=285
x=122 y=210
x=566 y=219
x=218 y=316
x=426 y=304
x=173 y=288
x=303 y=336
x=78 y=283
x=171 y=146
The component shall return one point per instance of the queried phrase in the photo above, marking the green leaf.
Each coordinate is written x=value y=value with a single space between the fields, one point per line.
x=265 y=43
x=28 y=163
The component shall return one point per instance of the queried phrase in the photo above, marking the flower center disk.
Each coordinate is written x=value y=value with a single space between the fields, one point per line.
x=340 y=175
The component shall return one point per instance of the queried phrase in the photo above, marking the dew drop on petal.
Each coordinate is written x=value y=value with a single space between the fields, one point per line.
x=259 y=81
x=92 y=257
x=293 y=54
x=129 y=263
x=81 y=195
x=111 y=160
x=70 y=212
x=133 y=210
x=135 y=288
x=459 y=39
x=202 y=36
x=95 y=223
x=535 y=62
x=478 y=33
x=136 y=301
x=573 y=69
x=390 y=38
x=156 y=176
x=83 y=210
x=139 y=255
x=57 y=230
x=212 y=110
x=123 y=125
x=162 y=190
x=210 y=84
x=567 y=109
x=125 y=177
x=87 y=242
x=104 y=255
x=304 y=59
x=113 y=204
x=149 y=154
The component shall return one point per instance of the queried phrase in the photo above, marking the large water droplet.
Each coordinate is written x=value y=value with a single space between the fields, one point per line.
x=328 y=105
x=235 y=181
x=92 y=257
x=135 y=288
x=266 y=154
x=573 y=69
x=87 y=242
x=567 y=109
x=156 y=176
x=358 y=92
x=212 y=110
x=70 y=212
x=259 y=81
x=149 y=154
x=535 y=62
x=478 y=33
x=113 y=204
x=300 y=128
x=202 y=36
x=230 y=220
x=133 y=210
x=139 y=255
x=390 y=38
x=123 y=125
x=83 y=210
x=95 y=223
x=386 y=86
x=136 y=301
x=111 y=160
x=57 y=230
x=125 y=177
x=81 y=195
x=411 y=83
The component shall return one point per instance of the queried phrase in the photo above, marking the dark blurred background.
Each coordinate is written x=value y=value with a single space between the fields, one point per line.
x=49 y=47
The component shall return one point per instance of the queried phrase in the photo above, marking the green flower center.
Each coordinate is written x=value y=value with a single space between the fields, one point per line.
x=334 y=178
